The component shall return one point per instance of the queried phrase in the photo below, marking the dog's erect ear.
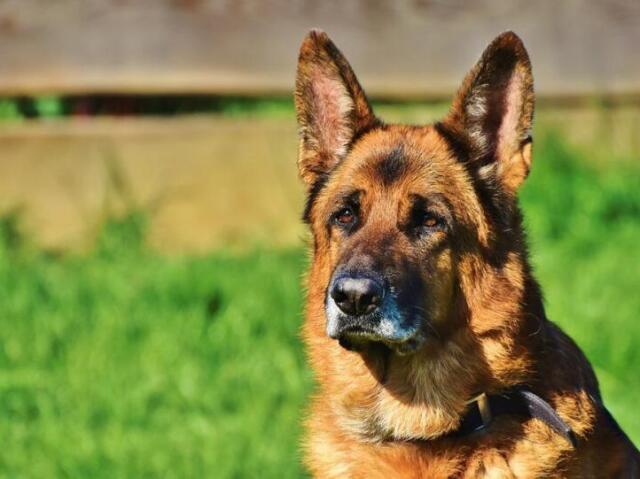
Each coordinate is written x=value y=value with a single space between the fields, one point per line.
x=494 y=110
x=331 y=107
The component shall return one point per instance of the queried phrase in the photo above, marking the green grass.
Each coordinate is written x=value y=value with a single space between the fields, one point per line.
x=125 y=363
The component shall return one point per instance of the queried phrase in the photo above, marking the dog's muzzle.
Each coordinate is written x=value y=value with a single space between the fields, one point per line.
x=361 y=308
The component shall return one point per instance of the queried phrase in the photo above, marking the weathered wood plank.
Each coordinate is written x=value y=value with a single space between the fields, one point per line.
x=401 y=48
x=204 y=181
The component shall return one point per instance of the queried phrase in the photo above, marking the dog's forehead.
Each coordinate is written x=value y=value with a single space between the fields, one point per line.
x=402 y=157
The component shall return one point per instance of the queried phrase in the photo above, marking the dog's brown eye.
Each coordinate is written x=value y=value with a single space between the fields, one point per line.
x=345 y=216
x=430 y=221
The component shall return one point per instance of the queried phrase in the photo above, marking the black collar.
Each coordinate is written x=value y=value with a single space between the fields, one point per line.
x=484 y=407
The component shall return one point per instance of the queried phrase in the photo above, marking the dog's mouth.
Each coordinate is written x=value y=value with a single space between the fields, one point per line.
x=357 y=341
x=393 y=330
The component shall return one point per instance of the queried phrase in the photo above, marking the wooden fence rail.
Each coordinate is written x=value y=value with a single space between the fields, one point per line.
x=406 y=48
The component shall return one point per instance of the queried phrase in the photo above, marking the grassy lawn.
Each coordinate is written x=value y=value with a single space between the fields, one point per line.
x=126 y=363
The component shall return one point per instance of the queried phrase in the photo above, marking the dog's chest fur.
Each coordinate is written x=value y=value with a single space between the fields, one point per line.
x=506 y=450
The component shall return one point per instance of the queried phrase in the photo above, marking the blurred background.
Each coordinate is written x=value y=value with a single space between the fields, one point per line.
x=151 y=248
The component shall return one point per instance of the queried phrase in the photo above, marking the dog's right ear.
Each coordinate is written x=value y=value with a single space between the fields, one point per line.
x=331 y=107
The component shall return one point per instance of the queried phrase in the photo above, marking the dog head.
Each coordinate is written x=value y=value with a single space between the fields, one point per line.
x=413 y=226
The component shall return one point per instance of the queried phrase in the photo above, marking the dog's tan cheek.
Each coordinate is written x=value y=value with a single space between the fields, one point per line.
x=440 y=286
x=323 y=256
x=338 y=245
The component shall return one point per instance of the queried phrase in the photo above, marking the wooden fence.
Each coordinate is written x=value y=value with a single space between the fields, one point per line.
x=208 y=181
x=404 y=48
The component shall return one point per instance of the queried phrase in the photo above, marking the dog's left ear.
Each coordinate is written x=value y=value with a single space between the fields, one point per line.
x=494 y=111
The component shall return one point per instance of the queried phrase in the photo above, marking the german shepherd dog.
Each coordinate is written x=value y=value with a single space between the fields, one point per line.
x=424 y=324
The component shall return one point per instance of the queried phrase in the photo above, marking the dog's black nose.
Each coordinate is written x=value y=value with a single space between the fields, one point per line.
x=357 y=295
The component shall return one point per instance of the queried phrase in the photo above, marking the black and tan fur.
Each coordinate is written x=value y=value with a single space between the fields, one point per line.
x=431 y=211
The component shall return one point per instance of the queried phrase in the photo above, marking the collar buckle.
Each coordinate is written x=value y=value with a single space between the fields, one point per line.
x=484 y=408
